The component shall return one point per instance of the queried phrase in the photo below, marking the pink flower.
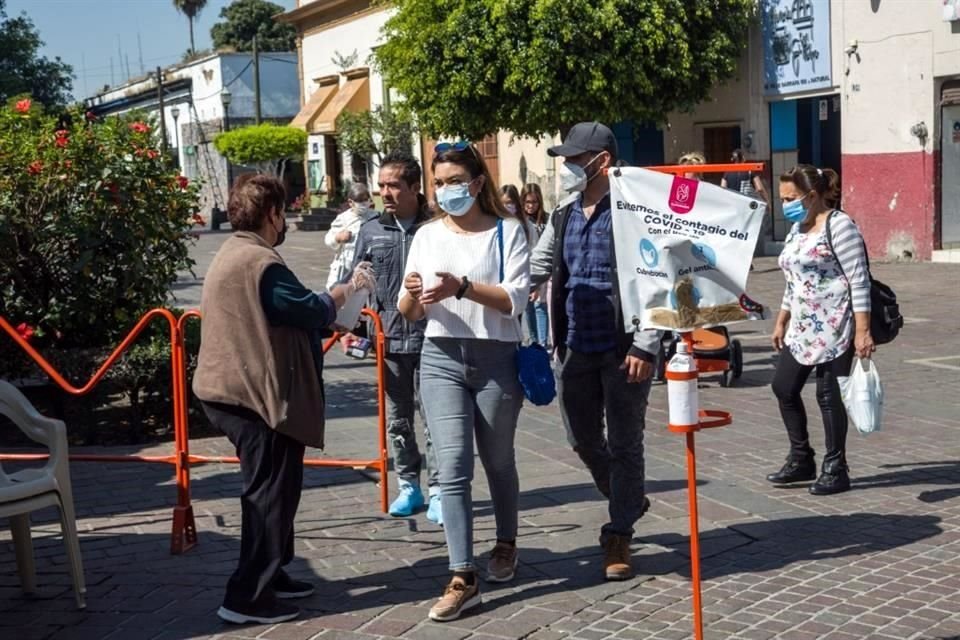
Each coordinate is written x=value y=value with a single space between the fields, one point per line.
x=23 y=106
x=152 y=153
x=198 y=219
x=139 y=127
x=26 y=331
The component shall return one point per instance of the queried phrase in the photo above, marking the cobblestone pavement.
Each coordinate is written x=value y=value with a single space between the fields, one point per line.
x=882 y=561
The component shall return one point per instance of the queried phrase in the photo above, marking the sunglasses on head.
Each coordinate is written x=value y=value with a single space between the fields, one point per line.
x=459 y=145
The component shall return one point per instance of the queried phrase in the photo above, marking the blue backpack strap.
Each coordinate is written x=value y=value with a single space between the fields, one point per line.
x=500 y=243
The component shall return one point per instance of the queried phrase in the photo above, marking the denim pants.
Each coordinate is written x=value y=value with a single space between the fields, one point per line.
x=401 y=395
x=538 y=324
x=591 y=387
x=472 y=391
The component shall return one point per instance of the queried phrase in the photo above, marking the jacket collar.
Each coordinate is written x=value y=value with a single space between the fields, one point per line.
x=423 y=215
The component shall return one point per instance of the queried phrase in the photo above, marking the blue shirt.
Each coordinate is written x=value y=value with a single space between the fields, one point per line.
x=591 y=318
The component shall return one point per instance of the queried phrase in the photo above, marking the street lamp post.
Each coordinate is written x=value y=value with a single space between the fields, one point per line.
x=225 y=99
x=175 y=114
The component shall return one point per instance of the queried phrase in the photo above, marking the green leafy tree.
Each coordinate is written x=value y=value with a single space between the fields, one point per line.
x=191 y=9
x=265 y=147
x=244 y=19
x=94 y=223
x=23 y=70
x=364 y=134
x=472 y=67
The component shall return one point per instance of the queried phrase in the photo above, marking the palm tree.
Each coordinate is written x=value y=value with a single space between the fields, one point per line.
x=191 y=9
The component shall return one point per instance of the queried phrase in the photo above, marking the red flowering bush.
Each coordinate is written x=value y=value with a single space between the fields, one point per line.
x=94 y=224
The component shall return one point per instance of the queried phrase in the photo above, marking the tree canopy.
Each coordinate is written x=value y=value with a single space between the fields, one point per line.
x=244 y=19
x=264 y=146
x=472 y=67
x=23 y=70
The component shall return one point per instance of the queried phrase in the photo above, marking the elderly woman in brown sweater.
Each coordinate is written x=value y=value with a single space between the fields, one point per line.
x=259 y=379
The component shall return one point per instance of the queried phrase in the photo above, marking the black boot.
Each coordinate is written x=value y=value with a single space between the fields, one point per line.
x=794 y=471
x=834 y=478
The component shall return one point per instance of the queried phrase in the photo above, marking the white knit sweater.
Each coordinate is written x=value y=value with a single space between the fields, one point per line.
x=437 y=248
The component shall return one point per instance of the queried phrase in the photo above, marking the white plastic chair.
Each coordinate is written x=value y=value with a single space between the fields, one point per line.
x=32 y=489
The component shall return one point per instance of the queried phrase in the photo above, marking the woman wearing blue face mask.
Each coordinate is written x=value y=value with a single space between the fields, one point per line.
x=468 y=274
x=824 y=320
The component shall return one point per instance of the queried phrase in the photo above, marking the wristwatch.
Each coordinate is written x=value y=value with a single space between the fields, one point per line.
x=464 y=285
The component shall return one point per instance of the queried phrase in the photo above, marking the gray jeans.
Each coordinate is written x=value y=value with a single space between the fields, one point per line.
x=402 y=395
x=473 y=391
x=592 y=386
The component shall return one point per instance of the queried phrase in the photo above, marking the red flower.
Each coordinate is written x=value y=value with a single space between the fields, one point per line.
x=23 y=106
x=67 y=164
x=183 y=182
x=198 y=219
x=61 y=140
x=139 y=127
x=26 y=331
x=35 y=167
x=91 y=116
x=152 y=153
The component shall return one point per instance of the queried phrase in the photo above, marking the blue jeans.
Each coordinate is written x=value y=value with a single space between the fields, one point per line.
x=538 y=324
x=471 y=389
x=401 y=393
x=591 y=387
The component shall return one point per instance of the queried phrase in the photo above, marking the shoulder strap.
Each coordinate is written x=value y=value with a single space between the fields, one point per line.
x=830 y=244
x=500 y=244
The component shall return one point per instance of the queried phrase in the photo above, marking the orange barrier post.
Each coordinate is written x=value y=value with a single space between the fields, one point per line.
x=708 y=419
x=183 y=510
x=379 y=464
x=184 y=531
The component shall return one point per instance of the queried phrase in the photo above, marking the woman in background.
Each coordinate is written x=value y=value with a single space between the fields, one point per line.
x=537 y=314
x=342 y=236
x=824 y=320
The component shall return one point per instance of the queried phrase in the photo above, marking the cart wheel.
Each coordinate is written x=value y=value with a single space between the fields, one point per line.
x=736 y=358
x=726 y=378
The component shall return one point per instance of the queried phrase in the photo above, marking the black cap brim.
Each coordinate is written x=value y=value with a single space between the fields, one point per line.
x=565 y=150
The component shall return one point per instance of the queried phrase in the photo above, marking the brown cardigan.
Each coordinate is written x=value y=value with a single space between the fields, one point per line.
x=244 y=360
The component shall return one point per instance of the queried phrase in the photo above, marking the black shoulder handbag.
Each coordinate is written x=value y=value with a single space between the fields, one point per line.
x=885 y=318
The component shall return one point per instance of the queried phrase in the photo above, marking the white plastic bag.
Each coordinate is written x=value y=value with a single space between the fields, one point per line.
x=862 y=395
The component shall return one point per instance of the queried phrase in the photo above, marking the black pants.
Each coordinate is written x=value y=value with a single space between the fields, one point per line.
x=788 y=382
x=272 y=468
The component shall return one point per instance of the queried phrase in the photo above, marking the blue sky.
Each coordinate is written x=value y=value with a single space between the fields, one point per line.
x=88 y=33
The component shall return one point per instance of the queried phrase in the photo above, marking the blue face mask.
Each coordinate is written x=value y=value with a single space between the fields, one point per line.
x=794 y=211
x=455 y=199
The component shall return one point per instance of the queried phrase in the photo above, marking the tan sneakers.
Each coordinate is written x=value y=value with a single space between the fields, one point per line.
x=616 y=558
x=503 y=563
x=457 y=598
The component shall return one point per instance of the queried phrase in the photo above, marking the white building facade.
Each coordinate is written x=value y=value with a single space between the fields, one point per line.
x=201 y=99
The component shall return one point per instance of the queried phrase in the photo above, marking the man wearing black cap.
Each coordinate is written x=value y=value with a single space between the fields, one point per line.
x=604 y=371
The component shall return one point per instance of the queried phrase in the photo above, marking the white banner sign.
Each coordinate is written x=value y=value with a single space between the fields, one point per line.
x=684 y=249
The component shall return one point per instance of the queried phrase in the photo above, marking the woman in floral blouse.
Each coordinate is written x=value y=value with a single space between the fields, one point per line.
x=824 y=320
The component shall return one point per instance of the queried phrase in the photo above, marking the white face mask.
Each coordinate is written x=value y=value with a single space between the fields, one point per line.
x=573 y=177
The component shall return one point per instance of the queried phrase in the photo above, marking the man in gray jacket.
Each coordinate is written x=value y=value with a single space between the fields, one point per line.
x=604 y=370
x=385 y=241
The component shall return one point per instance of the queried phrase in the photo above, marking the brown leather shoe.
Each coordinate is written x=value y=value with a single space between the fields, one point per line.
x=457 y=598
x=616 y=559
x=503 y=563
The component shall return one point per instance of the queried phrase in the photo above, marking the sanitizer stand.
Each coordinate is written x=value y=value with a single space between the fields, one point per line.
x=708 y=420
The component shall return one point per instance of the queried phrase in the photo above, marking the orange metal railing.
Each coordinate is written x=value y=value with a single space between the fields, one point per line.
x=184 y=531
